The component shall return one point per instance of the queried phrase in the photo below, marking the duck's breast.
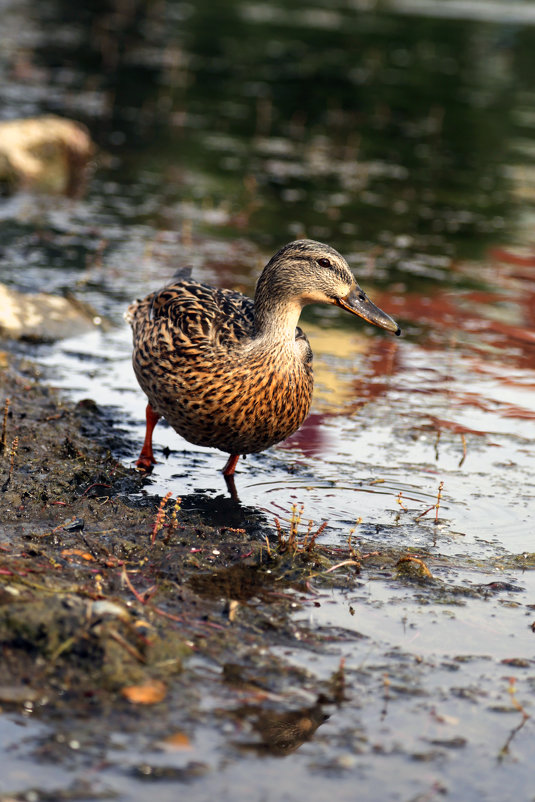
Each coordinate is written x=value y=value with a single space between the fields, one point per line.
x=197 y=360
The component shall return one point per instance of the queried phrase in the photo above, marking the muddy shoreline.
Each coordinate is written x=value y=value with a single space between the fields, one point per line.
x=106 y=593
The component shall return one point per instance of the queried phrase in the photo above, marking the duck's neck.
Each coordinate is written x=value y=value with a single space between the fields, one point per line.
x=276 y=318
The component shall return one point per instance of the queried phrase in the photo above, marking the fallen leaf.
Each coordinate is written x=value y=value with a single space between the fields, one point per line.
x=149 y=693
x=66 y=553
x=232 y=609
x=178 y=740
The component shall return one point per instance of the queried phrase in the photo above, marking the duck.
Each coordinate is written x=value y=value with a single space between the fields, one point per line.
x=232 y=372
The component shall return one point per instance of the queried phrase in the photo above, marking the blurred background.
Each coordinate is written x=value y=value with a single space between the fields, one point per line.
x=398 y=129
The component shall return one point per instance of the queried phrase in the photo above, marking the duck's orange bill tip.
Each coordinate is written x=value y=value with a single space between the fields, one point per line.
x=358 y=303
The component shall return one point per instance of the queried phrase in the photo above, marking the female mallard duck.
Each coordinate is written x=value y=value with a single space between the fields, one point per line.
x=231 y=373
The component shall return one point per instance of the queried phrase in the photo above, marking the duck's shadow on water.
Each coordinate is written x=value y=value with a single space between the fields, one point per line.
x=223 y=512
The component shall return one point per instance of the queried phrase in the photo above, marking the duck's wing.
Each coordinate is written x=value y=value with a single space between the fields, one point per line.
x=190 y=313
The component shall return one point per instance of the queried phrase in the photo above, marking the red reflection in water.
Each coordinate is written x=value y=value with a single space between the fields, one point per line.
x=502 y=316
x=493 y=329
x=451 y=426
x=312 y=438
x=380 y=361
x=511 y=258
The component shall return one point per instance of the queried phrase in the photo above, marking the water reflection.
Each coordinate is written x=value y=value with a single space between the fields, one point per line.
x=280 y=734
x=359 y=126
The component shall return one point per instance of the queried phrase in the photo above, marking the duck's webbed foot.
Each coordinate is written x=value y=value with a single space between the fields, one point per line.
x=145 y=462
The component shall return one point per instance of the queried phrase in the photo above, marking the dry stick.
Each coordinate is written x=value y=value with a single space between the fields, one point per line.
x=13 y=454
x=439 y=496
x=145 y=600
x=463 y=440
x=14 y=448
x=4 y=427
x=386 y=694
x=525 y=716
x=433 y=506
x=132 y=651
x=37 y=586
x=334 y=568
x=142 y=599
x=400 y=502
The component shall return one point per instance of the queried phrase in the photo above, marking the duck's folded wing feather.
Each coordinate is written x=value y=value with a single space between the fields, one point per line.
x=196 y=313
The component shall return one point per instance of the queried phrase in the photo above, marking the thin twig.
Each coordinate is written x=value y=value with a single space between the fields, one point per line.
x=4 y=427
x=13 y=454
x=434 y=506
x=463 y=440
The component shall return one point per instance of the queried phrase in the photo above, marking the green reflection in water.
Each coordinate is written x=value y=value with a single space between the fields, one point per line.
x=363 y=128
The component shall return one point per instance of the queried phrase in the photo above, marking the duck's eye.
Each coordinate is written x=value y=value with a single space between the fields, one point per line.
x=324 y=262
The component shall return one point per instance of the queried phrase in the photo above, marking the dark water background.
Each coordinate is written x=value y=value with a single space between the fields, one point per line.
x=403 y=134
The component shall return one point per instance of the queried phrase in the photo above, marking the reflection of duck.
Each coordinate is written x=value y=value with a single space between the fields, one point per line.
x=282 y=733
x=231 y=373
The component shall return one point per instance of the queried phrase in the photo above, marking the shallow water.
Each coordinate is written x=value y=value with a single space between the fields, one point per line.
x=404 y=139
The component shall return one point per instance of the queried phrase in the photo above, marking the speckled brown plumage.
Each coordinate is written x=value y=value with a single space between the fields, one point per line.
x=231 y=373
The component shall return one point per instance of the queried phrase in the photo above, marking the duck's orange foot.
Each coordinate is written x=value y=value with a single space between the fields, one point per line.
x=145 y=463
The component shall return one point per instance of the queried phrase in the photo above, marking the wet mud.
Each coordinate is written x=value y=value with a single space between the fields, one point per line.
x=107 y=591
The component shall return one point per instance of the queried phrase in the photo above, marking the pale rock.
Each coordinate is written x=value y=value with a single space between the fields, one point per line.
x=40 y=316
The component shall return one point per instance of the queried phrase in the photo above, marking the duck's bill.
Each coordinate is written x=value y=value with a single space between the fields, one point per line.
x=357 y=302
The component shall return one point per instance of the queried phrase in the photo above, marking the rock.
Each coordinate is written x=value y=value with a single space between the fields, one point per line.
x=42 y=317
x=48 y=154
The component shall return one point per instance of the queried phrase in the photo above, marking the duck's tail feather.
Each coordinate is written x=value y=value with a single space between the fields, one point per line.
x=182 y=274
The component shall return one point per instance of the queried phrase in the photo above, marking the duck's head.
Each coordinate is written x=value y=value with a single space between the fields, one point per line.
x=306 y=272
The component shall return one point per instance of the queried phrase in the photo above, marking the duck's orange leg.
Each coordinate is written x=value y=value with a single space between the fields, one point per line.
x=229 y=468
x=146 y=459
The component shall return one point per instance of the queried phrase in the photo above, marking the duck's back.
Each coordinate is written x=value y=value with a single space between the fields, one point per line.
x=194 y=357
x=191 y=313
